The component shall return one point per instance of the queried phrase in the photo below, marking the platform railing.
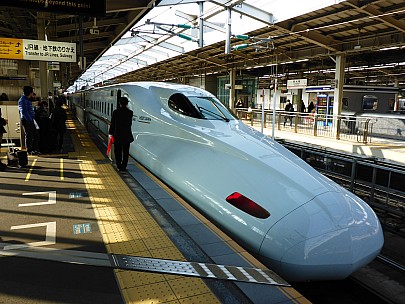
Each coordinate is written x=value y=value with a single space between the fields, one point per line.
x=350 y=128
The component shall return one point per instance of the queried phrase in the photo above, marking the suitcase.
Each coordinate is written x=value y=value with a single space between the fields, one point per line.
x=15 y=157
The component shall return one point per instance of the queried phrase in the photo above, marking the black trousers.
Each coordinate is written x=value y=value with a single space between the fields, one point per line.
x=59 y=139
x=121 y=153
x=31 y=135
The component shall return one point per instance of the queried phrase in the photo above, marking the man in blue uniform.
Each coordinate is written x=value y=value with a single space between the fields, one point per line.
x=121 y=131
x=27 y=115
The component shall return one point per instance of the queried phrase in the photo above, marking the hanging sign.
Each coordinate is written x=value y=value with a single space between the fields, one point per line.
x=297 y=83
x=41 y=50
x=11 y=48
x=74 y=7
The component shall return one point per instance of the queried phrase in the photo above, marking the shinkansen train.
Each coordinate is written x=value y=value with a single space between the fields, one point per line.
x=296 y=221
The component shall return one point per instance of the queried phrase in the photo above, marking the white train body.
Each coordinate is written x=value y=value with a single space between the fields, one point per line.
x=316 y=230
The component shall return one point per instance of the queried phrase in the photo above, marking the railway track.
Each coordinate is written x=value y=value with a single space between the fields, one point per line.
x=380 y=184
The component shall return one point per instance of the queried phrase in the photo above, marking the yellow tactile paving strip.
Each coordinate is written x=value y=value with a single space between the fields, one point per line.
x=289 y=292
x=127 y=228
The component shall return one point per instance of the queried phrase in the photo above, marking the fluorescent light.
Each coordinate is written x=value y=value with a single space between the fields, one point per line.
x=390 y=48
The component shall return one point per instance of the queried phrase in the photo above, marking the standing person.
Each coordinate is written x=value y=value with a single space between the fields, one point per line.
x=44 y=123
x=239 y=103
x=303 y=108
x=287 y=109
x=291 y=116
x=59 y=123
x=50 y=102
x=121 y=131
x=3 y=122
x=3 y=97
x=311 y=107
x=27 y=116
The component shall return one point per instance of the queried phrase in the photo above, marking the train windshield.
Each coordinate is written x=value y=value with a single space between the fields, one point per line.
x=210 y=108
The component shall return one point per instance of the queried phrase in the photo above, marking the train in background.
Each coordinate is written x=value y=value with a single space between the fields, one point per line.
x=293 y=219
x=383 y=107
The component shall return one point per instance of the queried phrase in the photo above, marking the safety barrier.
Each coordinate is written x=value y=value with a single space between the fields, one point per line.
x=348 y=127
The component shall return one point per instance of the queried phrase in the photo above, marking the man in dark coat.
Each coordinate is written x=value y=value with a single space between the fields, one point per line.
x=3 y=122
x=120 y=130
x=59 y=123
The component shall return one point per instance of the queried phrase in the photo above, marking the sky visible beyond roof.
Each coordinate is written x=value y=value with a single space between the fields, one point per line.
x=126 y=55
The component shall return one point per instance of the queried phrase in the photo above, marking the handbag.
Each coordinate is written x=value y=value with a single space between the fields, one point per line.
x=110 y=142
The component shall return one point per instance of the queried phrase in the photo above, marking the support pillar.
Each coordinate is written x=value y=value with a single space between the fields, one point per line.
x=232 y=77
x=396 y=101
x=201 y=25
x=228 y=33
x=338 y=93
x=43 y=66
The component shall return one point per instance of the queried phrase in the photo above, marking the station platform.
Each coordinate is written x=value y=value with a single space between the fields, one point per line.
x=390 y=150
x=69 y=219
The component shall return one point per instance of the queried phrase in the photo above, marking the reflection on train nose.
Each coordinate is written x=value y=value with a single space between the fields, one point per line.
x=330 y=237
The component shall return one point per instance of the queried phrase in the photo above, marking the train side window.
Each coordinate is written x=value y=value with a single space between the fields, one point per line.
x=180 y=103
x=370 y=102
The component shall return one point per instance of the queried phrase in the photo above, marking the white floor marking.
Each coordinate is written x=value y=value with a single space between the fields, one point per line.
x=51 y=200
x=50 y=236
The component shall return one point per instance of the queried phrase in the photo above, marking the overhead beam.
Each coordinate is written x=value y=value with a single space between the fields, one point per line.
x=309 y=35
x=375 y=13
x=125 y=5
x=237 y=6
x=175 y=2
x=247 y=10
x=90 y=24
x=87 y=37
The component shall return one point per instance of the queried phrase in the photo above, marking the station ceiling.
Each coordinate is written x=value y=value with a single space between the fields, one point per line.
x=370 y=33
x=120 y=17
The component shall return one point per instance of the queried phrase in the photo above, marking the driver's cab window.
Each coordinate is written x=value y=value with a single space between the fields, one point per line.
x=180 y=103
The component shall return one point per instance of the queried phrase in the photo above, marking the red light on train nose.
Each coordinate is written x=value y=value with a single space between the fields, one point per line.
x=247 y=205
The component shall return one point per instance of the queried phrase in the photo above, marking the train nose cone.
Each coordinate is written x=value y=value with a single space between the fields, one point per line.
x=327 y=238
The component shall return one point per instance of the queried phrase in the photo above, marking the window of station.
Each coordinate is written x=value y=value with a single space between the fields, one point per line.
x=370 y=102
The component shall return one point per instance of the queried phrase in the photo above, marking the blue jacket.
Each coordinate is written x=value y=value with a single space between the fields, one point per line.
x=26 y=109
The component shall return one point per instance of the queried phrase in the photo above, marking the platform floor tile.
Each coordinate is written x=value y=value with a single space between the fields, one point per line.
x=127 y=228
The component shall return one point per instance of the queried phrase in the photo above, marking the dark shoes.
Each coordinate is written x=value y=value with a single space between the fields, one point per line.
x=34 y=153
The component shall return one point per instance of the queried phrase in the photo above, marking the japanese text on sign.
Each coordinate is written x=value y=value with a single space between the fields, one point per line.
x=49 y=51
x=11 y=48
x=37 y=50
